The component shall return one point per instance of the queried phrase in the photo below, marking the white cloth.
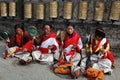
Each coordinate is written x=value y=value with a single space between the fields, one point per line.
x=104 y=65
x=76 y=58
x=37 y=55
x=70 y=47
x=51 y=41
x=101 y=64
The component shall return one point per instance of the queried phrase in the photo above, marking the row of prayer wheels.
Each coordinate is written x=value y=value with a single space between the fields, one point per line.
x=10 y=9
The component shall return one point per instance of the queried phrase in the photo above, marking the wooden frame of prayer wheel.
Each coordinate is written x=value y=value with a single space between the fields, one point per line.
x=40 y=11
x=99 y=11
x=12 y=9
x=83 y=10
x=115 y=11
x=3 y=9
x=28 y=10
x=53 y=9
x=68 y=8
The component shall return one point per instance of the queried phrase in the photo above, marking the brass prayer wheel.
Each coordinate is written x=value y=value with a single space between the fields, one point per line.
x=99 y=11
x=12 y=9
x=68 y=8
x=83 y=10
x=3 y=9
x=53 y=9
x=40 y=11
x=28 y=10
x=115 y=11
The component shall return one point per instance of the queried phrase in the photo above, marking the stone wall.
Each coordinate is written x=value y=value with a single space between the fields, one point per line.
x=83 y=28
x=112 y=31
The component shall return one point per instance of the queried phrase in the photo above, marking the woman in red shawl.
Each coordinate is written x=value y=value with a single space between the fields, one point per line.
x=20 y=41
x=101 y=44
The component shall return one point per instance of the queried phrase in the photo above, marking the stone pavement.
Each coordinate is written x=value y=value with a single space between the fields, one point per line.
x=37 y=71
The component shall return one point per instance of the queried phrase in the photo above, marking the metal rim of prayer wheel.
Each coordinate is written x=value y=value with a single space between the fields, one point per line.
x=83 y=10
x=68 y=8
x=115 y=11
x=12 y=9
x=3 y=9
x=28 y=10
x=53 y=9
x=99 y=11
x=40 y=11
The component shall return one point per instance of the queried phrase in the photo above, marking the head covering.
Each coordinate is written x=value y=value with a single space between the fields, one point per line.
x=100 y=32
x=21 y=26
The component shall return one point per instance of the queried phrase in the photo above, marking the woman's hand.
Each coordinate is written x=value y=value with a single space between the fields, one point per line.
x=50 y=47
x=74 y=46
x=7 y=40
x=104 y=52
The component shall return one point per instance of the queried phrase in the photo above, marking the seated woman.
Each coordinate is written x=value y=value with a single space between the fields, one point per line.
x=70 y=54
x=101 y=53
x=20 y=41
x=48 y=46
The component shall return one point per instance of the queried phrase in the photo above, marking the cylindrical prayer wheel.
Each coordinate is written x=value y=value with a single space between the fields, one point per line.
x=12 y=9
x=28 y=10
x=3 y=9
x=68 y=8
x=53 y=9
x=40 y=11
x=99 y=11
x=115 y=11
x=83 y=10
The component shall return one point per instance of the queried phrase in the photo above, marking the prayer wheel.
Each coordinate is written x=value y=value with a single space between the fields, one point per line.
x=99 y=11
x=53 y=9
x=28 y=10
x=83 y=10
x=12 y=9
x=40 y=11
x=115 y=11
x=68 y=8
x=3 y=9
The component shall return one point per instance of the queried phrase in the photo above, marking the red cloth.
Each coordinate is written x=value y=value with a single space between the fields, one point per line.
x=28 y=46
x=73 y=39
x=96 y=45
x=109 y=53
x=109 y=56
x=17 y=41
x=46 y=37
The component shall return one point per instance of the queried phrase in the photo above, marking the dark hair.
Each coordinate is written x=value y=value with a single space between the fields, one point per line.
x=100 y=32
x=19 y=26
x=48 y=24
x=70 y=24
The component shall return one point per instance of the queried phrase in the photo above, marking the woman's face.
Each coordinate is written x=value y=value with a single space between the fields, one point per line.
x=47 y=29
x=98 y=38
x=70 y=29
x=19 y=31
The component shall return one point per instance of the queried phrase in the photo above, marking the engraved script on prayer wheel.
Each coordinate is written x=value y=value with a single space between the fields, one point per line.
x=3 y=9
x=115 y=11
x=40 y=11
x=83 y=10
x=28 y=10
x=68 y=7
x=12 y=9
x=99 y=11
x=53 y=9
